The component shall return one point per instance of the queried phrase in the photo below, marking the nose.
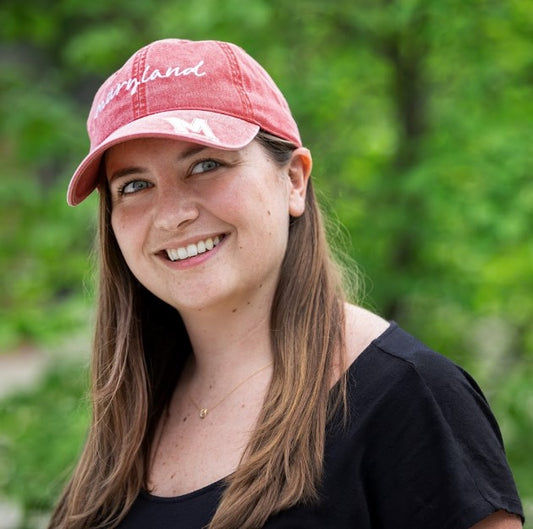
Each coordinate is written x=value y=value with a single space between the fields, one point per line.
x=174 y=208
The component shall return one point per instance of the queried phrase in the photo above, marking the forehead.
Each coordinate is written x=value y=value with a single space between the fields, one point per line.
x=163 y=148
x=151 y=147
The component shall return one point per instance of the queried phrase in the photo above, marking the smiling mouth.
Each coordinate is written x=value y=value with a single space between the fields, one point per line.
x=191 y=250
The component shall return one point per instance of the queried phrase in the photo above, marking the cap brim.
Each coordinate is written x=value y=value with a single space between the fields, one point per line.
x=206 y=128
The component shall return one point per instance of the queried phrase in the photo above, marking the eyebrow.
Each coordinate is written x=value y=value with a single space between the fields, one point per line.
x=191 y=151
x=187 y=153
x=126 y=172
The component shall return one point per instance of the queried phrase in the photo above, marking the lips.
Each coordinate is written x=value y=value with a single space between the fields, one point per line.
x=191 y=250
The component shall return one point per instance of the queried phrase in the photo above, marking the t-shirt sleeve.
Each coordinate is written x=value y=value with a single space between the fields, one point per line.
x=434 y=455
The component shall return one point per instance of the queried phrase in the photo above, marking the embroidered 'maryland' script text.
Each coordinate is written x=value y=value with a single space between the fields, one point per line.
x=133 y=83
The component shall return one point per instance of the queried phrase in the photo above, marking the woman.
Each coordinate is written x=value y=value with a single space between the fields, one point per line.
x=233 y=385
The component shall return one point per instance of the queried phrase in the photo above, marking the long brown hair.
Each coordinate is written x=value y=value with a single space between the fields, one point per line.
x=134 y=371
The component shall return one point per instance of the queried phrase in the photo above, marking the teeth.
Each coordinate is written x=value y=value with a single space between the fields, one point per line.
x=193 y=249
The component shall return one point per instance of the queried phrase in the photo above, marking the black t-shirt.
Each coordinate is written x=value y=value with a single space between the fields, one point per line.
x=421 y=450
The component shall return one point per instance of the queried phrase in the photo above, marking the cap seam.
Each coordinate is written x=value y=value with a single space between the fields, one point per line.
x=237 y=78
x=143 y=101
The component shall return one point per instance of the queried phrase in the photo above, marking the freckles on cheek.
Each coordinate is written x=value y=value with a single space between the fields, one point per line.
x=120 y=222
x=121 y=234
x=116 y=229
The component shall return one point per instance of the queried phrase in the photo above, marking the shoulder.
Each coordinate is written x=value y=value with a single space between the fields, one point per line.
x=396 y=367
x=392 y=369
x=383 y=351
x=386 y=349
x=398 y=382
x=422 y=435
x=362 y=328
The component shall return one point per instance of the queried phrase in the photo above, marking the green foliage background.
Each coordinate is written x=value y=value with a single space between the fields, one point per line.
x=418 y=114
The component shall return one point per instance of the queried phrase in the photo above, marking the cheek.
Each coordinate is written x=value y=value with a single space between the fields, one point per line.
x=117 y=226
x=269 y=198
x=124 y=230
x=271 y=225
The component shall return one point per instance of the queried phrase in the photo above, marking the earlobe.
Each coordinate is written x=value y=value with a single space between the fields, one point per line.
x=299 y=168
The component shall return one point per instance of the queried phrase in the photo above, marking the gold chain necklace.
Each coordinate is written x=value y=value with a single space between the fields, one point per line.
x=204 y=411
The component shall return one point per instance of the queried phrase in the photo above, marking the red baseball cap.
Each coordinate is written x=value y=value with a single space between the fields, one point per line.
x=207 y=92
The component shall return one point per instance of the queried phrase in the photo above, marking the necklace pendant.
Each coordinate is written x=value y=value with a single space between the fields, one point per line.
x=203 y=413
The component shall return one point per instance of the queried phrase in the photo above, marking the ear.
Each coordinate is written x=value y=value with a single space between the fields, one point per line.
x=299 y=169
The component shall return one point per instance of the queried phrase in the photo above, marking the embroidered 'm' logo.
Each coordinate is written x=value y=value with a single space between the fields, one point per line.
x=196 y=126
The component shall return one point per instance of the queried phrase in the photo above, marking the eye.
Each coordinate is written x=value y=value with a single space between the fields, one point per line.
x=205 y=166
x=133 y=187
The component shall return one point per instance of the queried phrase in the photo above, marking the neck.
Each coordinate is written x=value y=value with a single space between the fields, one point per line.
x=229 y=343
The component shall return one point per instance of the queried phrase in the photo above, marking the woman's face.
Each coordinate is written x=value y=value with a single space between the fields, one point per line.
x=203 y=228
